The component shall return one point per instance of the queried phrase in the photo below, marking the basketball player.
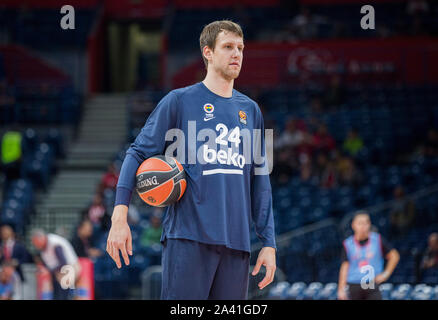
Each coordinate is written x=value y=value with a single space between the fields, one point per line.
x=365 y=249
x=55 y=253
x=206 y=234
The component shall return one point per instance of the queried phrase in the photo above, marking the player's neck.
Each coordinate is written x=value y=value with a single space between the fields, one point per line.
x=361 y=237
x=219 y=85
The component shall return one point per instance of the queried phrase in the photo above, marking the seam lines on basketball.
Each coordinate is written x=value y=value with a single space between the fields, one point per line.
x=164 y=161
x=163 y=181
x=156 y=171
x=173 y=188
x=170 y=193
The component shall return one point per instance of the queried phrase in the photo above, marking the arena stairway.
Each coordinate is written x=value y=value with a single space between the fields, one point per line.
x=100 y=136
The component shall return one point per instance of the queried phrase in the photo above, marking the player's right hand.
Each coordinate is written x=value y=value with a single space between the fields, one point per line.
x=342 y=295
x=119 y=238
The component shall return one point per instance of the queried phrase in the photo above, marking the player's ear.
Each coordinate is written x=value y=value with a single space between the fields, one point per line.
x=207 y=52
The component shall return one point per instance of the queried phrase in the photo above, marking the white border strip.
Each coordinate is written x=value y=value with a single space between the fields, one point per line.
x=225 y=171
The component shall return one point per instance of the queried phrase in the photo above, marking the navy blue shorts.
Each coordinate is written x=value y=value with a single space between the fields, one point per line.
x=199 y=271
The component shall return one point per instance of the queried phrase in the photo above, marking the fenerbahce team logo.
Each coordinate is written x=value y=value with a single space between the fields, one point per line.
x=208 y=108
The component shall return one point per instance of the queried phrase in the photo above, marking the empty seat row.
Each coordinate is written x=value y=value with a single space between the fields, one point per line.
x=319 y=291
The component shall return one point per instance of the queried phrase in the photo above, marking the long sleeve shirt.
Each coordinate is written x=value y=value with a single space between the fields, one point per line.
x=220 y=143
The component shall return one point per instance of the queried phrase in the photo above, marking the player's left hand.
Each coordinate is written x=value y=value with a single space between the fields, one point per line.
x=266 y=258
x=380 y=278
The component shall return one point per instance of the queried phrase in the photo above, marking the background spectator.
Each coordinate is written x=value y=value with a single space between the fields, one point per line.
x=109 y=180
x=133 y=215
x=284 y=165
x=11 y=151
x=322 y=140
x=306 y=171
x=13 y=250
x=305 y=24
x=83 y=242
x=97 y=210
x=353 y=143
x=402 y=213
x=348 y=174
x=10 y=282
x=152 y=233
x=291 y=137
x=150 y=238
x=430 y=256
x=329 y=176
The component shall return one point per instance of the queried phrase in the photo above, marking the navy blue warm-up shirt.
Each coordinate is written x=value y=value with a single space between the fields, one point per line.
x=223 y=195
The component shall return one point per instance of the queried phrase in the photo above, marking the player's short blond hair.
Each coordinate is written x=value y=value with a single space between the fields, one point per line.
x=210 y=32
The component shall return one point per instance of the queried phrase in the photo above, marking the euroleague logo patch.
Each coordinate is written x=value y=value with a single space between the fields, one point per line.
x=242 y=116
x=208 y=108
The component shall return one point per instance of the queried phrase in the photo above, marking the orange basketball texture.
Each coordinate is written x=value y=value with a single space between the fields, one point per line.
x=160 y=181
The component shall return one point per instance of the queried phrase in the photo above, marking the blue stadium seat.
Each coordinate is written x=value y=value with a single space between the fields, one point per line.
x=30 y=141
x=422 y=292
x=295 y=291
x=278 y=291
x=312 y=291
x=401 y=292
x=55 y=139
x=328 y=292
x=385 y=290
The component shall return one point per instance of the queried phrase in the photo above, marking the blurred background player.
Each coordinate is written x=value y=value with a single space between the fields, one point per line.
x=55 y=253
x=365 y=248
x=206 y=241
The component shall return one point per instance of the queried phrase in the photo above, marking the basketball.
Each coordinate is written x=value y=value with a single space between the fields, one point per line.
x=160 y=181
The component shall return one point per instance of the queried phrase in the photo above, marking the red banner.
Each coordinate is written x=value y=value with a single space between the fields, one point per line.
x=85 y=285
x=95 y=55
x=223 y=3
x=331 y=2
x=21 y=65
x=53 y=4
x=408 y=60
x=135 y=8
x=44 y=284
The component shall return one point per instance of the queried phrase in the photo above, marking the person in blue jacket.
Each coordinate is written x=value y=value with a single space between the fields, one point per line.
x=206 y=234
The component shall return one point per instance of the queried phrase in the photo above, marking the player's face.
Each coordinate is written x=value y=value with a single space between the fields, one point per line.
x=433 y=242
x=6 y=232
x=8 y=272
x=39 y=243
x=87 y=229
x=361 y=225
x=227 y=56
